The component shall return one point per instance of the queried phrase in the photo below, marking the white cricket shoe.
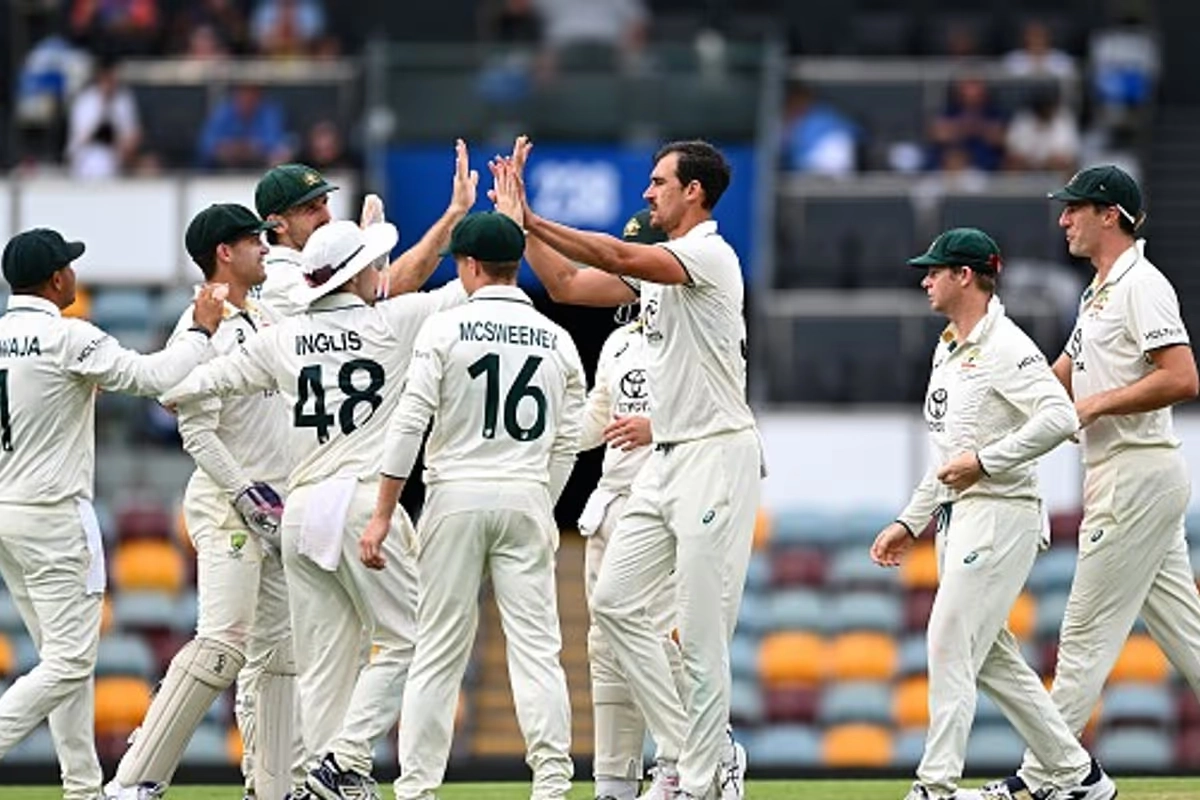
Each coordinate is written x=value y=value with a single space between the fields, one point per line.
x=1096 y=786
x=731 y=772
x=143 y=791
x=665 y=785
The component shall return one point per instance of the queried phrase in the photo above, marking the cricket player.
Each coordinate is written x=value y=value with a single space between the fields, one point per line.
x=1127 y=362
x=505 y=388
x=339 y=367
x=692 y=506
x=296 y=197
x=992 y=408
x=232 y=508
x=51 y=557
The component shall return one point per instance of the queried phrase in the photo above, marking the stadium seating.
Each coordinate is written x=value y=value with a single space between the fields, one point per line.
x=121 y=704
x=125 y=655
x=148 y=565
x=857 y=745
x=791 y=658
x=8 y=657
x=785 y=745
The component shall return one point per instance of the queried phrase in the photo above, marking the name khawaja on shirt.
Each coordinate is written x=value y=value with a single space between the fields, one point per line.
x=15 y=347
x=502 y=333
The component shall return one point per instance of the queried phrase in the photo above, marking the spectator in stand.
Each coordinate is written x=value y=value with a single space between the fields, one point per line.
x=287 y=27
x=509 y=22
x=103 y=132
x=592 y=34
x=204 y=44
x=1044 y=135
x=970 y=121
x=1125 y=62
x=222 y=20
x=513 y=31
x=324 y=148
x=244 y=132
x=121 y=27
x=1037 y=56
x=817 y=138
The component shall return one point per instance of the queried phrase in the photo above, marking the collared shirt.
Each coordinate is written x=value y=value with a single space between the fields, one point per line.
x=284 y=273
x=994 y=394
x=339 y=367
x=50 y=368
x=621 y=390
x=236 y=440
x=1120 y=322
x=505 y=388
x=696 y=341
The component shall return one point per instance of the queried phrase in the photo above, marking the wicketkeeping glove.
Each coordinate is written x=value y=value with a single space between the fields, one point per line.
x=261 y=508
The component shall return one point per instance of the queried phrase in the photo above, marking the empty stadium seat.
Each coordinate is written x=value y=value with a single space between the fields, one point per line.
x=743 y=656
x=907 y=748
x=784 y=746
x=1050 y=608
x=169 y=306
x=1140 y=660
x=150 y=564
x=918 y=605
x=122 y=309
x=797 y=610
x=855 y=701
x=864 y=611
x=1137 y=703
x=144 y=611
x=913 y=655
x=792 y=703
x=852 y=568
x=1052 y=571
x=919 y=570
x=802 y=526
x=1022 y=227
x=1134 y=749
x=758 y=573
x=1023 y=616
x=143 y=518
x=746 y=706
x=121 y=704
x=798 y=566
x=25 y=651
x=863 y=656
x=857 y=745
x=8 y=657
x=995 y=747
x=987 y=712
x=10 y=618
x=754 y=615
x=910 y=702
x=792 y=657
x=763 y=525
x=1064 y=528
x=123 y=654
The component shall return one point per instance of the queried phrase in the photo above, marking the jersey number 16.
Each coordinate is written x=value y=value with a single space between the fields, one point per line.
x=489 y=365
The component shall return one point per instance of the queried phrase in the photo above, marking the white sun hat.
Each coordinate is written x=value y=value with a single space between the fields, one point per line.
x=336 y=252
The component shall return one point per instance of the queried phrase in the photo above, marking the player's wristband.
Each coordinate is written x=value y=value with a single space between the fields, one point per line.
x=201 y=329
x=904 y=525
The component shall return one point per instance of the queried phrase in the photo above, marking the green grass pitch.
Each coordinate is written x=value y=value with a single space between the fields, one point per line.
x=1131 y=789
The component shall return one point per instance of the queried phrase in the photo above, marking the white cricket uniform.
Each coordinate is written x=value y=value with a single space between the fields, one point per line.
x=620 y=390
x=691 y=509
x=285 y=272
x=1133 y=555
x=51 y=557
x=505 y=388
x=995 y=395
x=339 y=367
x=237 y=441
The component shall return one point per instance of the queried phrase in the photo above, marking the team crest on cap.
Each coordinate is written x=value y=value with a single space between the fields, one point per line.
x=632 y=228
x=311 y=178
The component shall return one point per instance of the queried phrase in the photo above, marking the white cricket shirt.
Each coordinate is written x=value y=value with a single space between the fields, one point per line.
x=996 y=395
x=50 y=368
x=251 y=431
x=696 y=341
x=1120 y=321
x=284 y=273
x=505 y=388
x=339 y=367
x=621 y=390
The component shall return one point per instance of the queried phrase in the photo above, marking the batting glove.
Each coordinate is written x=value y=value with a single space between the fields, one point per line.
x=261 y=508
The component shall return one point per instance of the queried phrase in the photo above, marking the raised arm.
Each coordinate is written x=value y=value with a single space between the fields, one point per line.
x=238 y=373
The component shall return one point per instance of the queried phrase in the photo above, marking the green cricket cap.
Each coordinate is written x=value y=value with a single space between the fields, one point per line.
x=487 y=236
x=32 y=256
x=1108 y=185
x=962 y=247
x=638 y=229
x=288 y=185
x=218 y=224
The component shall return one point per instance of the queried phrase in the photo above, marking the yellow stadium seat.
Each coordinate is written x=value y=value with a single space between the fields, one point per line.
x=910 y=702
x=791 y=658
x=920 y=570
x=1140 y=660
x=121 y=704
x=106 y=615
x=762 y=529
x=863 y=656
x=149 y=564
x=82 y=307
x=857 y=745
x=233 y=744
x=8 y=657
x=1022 y=616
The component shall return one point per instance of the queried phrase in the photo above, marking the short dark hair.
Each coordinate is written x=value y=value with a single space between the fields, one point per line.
x=984 y=280
x=500 y=270
x=700 y=161
x=207 y=262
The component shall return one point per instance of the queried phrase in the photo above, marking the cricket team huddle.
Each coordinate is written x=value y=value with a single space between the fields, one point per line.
x=311 y=371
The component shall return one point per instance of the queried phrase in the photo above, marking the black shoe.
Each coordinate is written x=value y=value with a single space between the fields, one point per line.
x=329 y=782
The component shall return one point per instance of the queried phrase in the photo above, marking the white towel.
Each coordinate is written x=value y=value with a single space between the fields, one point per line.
x=592 y=516
x=97 y=574
x=324 y=524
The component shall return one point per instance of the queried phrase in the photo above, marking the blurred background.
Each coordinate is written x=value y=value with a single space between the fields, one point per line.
x=857 y=130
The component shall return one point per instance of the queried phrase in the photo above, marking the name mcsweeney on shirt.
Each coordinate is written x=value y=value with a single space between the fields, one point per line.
x=507 y=334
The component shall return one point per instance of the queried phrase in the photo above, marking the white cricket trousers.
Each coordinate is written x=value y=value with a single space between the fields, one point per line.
x=692 y=509
x=505 y=530
x=618 y=726
x=1133 y=559
x=986 y=547
x=229 y=561
x=44 y=560
x=337 y=618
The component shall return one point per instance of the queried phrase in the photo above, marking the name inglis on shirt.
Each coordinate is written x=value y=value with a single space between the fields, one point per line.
x=503 y=333
x=339 y=342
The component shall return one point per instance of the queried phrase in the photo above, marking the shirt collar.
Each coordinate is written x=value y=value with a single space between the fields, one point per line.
x=705 y=228
x=1125 y=262
x=335 y=301
x=31 y=302
x=500 y=293
x=995 y=310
